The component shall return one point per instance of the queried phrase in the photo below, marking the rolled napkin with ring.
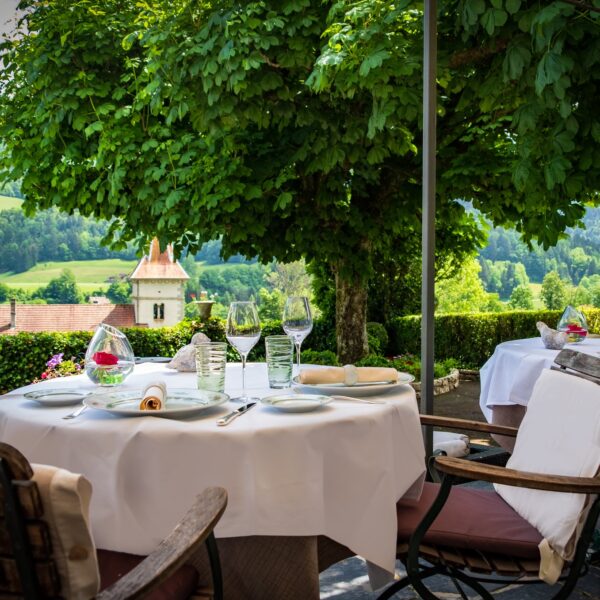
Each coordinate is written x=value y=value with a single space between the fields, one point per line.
x=154 y=396
x=348 y=375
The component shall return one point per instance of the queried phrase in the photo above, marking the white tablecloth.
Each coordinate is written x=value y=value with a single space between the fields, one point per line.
x=508 y=377
x=337 y=471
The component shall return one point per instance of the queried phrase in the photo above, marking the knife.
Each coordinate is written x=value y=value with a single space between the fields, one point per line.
x=236 y=413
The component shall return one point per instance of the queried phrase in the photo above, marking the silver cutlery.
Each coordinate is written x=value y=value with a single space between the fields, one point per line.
x=352 y=399
x=76 y=413
x=235 y=414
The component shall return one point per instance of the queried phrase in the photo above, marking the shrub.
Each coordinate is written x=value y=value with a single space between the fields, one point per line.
x=378 y=338
x=408 y=363
x=319 y=357
x=472 y=338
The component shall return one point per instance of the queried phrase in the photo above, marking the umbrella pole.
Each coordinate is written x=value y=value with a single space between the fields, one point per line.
x=428 y=211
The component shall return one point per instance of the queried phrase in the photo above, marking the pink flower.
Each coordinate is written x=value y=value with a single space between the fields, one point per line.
x=44 y=375
x=105 y=358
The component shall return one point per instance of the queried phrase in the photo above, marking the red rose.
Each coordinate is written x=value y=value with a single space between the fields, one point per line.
x=577 y=329
x=44 y=375
x=105 y=358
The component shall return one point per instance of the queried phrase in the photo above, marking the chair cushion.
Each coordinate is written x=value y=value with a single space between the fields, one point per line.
x=66 y=500
x=113 y=565
x=471 y=519
x=559 y=435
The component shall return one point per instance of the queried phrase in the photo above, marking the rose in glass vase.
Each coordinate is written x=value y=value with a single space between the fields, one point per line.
x=574 y=324
x=109 y=358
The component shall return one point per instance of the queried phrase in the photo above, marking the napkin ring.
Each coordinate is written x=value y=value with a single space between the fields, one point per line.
x=350 y=375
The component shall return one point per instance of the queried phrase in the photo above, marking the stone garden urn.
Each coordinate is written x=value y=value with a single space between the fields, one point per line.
x=204 y=308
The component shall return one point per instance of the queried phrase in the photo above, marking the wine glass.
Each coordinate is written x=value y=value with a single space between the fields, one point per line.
x=242 y=332
x=297 y=321
x=109 y=358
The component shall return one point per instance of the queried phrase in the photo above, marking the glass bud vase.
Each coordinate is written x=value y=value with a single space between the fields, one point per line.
x=109 y=358
x=574 y=324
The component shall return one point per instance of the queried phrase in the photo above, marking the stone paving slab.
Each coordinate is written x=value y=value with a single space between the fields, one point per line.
x=347 y=580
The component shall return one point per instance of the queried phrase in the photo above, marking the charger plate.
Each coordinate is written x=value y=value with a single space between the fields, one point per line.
x=296 y=403
x=180 y=403
x=57 y=396
x=358 y=390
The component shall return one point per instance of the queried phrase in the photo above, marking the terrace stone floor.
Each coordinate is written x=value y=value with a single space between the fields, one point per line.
x=347 y=580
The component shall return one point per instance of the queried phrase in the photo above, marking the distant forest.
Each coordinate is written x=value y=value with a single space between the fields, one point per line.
x=54 y=236
x=506 y=261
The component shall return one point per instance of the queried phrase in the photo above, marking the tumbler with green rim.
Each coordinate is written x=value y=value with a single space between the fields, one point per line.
x=211 y=360
x=280 y=355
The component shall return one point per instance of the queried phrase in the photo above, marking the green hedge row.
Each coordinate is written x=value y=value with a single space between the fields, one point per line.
x=472 y=338
x=24 y=355
x=469 y=338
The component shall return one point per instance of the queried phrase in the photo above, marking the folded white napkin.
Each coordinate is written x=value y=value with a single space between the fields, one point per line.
x=453 y=444
x=349 y=375
x=154 y=396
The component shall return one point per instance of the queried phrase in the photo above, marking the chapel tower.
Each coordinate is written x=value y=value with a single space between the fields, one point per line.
x=158 y=288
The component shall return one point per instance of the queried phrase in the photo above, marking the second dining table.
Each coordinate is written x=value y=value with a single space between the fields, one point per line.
x=336 y=472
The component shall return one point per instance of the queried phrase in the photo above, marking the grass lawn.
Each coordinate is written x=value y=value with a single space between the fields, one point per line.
x=536 y=288
x=89 y=274
x=8 y=202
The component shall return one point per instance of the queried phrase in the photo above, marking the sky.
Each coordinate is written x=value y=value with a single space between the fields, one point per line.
x=7 y=12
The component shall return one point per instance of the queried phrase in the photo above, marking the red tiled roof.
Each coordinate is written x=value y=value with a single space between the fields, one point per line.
x=159 y=265
x=66 y=317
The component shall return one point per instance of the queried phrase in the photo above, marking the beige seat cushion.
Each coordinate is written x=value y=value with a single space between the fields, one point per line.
x=66 y=500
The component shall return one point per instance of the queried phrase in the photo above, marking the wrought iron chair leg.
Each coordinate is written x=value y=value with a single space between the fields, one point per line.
x=405 y=581
x=394 y=588
x=215 y=566
x=459 y=588
x=473 y=584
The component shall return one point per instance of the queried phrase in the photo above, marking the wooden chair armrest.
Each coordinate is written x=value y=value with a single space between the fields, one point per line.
x=468 y=425
x=173 y=552
x=483 y=472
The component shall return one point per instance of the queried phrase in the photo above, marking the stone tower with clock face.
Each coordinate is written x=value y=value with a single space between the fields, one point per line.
x=158 y=288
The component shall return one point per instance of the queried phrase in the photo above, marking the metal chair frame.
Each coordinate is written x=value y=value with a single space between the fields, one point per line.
x=570 y=362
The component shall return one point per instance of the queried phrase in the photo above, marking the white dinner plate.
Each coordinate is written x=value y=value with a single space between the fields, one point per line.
x=360 y=389
x=179 y=403
x=58 y=396
x=296 y=403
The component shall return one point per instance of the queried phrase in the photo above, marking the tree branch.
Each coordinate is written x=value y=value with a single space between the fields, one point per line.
x=477 y=55
x=269 y=62
x=582 y=5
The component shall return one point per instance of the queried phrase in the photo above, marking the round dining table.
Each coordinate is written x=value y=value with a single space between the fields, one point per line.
x=336 y=472
x=508 y=377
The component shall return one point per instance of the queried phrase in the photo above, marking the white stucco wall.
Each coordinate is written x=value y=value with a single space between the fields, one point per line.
x=147 y=293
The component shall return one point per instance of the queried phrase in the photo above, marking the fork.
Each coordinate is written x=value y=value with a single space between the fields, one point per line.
x=352 y=399
x=76 y=413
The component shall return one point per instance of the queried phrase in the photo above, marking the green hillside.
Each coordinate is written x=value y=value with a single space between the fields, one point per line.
x=89 y=274
x=8 y=202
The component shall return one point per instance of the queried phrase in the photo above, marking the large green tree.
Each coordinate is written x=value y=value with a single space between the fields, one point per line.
x=292 y=128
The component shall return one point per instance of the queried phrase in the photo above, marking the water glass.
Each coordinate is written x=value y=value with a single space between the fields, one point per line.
x=280 y=354
x=211 y=359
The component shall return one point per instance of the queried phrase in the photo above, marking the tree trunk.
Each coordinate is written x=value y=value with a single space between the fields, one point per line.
x=351 y=318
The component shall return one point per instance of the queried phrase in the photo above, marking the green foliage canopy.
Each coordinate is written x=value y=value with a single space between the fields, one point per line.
x=292 y=128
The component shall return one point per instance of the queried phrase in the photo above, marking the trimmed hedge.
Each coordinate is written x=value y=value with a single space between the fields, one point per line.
x=472 y=338
x=469 y=338
x=24 y=355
